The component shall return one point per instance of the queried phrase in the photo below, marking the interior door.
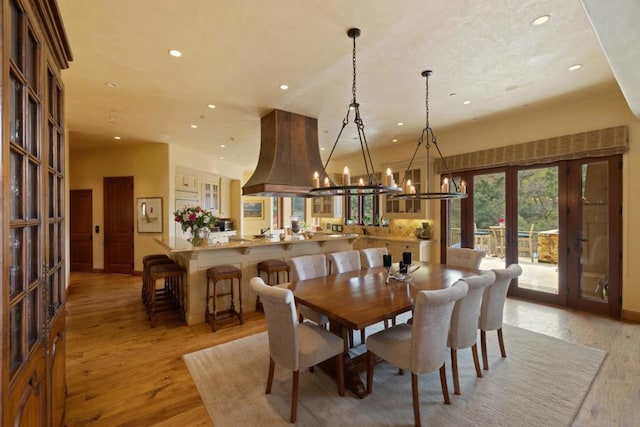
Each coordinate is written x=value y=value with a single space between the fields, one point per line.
x=81 y=233
x=118 y=225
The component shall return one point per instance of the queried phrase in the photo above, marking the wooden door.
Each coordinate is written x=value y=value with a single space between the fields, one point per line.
x=118 y=225
x=81 y=233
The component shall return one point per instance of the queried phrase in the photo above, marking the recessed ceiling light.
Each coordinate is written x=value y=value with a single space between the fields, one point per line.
x=540 y=20
x=221 y=158
x=175 y=52
x=394 y=140
x=112 y=118
x=116 y=137
x=211 y=106
x=194 y=126
x=467 y=102
x=284 y=87
x=452 y=94
x=575 y=67
x=113 y=85
x=400 y=124
x=321 y=148
x=222 y=146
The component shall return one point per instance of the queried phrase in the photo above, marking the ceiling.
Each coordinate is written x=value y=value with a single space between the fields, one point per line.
x=236 y=54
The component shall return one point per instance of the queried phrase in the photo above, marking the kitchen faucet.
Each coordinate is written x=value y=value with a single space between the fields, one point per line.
x=264 y=230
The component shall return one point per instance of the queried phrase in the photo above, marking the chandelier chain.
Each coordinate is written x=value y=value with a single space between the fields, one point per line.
x=353 y=87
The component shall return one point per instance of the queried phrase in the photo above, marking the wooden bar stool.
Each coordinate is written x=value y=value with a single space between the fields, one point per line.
x=171 y=296
x=147 y=283
x=269 y=267
x=214 y=275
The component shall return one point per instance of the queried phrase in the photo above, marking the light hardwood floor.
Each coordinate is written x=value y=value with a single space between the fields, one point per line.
x=122 y=372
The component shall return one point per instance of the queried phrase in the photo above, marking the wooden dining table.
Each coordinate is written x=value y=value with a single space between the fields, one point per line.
x=363 y=298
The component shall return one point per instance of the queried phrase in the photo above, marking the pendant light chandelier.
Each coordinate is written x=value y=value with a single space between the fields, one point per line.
x=449 y=188
x=322 y=184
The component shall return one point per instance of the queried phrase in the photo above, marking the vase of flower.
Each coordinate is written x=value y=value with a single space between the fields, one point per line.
x=197 y=221
x=200 y=236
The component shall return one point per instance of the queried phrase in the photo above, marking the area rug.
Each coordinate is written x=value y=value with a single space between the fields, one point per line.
x=542 y=382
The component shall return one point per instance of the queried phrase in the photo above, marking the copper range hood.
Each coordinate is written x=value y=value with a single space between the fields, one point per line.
x=289 y=156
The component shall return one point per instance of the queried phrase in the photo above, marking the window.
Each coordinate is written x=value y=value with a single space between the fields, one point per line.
x=363 y=209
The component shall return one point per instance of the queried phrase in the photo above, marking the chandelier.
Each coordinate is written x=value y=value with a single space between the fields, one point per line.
x=372 y=185
x=449 y=188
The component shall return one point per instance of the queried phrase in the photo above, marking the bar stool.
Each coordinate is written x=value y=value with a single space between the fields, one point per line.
x=147 y=283
x=214 y=275
x=171 y=296
x=269 y=267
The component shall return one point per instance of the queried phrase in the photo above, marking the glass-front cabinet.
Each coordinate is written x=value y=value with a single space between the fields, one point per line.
x=33 y=285
x=395 y=208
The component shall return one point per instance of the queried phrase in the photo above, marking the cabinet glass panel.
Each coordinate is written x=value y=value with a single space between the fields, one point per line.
x=31 y=59
x=15 y=338
x=54 y=96
x=33 y=258
x=32 y=191
x=60 y=151
x=15 y=111
x=15 y=32
x=52 y=244
x=53 y=152
x=33 y=309
x=15 y=190
x=31 y=143
x=52 y=200
x=15 y=261
x=60 y=198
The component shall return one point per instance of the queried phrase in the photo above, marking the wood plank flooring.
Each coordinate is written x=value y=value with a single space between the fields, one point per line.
x=120 y=372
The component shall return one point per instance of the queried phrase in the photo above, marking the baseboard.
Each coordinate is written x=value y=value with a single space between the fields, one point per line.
x=137 y=273
x=98 y=270
x=631 y=316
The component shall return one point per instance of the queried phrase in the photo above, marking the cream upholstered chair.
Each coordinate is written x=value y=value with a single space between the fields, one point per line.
x=464 y=257
x=422 y=346
x=344 y=261
x=492 y=307
x=292 y=345
x=463 y=332
x=372 y=257
x=310 y=267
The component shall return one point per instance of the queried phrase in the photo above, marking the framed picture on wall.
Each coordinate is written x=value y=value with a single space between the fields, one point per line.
x=149 y=211
x=253 y=210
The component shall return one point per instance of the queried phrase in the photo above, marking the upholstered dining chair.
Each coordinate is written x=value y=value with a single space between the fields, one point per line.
x=292 y=345
x=372 y=257
x=422 y=346
x=344 y=261
x=493 y=306
x=310 y=267
x=463 y=332
x=464 y=257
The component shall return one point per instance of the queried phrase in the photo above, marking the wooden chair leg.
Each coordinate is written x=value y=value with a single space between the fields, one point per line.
x=416 y=399
x=476 y=361
x=369 y=372
x=454 y=369
x=483 y=345
x=362 y=336
x=294 y=396
x=443 y=383
x=351 y=344
x=272 y=366
x=501 y=342
x=340 y=362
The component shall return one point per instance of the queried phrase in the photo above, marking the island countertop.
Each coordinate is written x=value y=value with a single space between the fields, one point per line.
x=244 y=245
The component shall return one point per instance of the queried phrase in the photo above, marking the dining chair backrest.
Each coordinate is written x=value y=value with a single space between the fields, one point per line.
x=431 y=320
x=344 y=261
x=309 y=266
x=464 y=257
x=372 y=257
x=495 y=296
x=280 y=312
x=464 y=319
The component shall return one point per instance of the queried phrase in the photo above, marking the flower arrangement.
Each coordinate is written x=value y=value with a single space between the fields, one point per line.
x=193 y=218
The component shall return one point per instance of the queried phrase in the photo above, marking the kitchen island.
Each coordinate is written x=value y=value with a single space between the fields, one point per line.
x=244 y=254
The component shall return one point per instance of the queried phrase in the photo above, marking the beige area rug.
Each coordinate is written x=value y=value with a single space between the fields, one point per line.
x=542 y=382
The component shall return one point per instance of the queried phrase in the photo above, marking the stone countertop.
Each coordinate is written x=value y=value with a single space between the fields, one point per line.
x=176 y=245
x=394 y=238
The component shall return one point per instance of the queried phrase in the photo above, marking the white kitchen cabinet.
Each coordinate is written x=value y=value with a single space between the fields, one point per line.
x=210 y=194
x=186 y=182
x=395 y=208
x=326 y=207
x=225 y=198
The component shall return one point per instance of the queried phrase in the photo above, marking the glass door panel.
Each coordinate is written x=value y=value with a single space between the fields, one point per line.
x=489 y=207
x=594 y=237
x=537 y=229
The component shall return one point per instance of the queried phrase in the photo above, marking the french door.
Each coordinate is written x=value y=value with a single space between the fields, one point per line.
x=561 y=222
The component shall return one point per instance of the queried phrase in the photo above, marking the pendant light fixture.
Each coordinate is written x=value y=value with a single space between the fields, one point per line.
x=322 y=184
x=448 y=188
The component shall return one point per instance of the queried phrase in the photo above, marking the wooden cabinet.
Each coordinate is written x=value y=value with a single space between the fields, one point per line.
x=33 y=226
x=326 y=207
x=406 y=208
